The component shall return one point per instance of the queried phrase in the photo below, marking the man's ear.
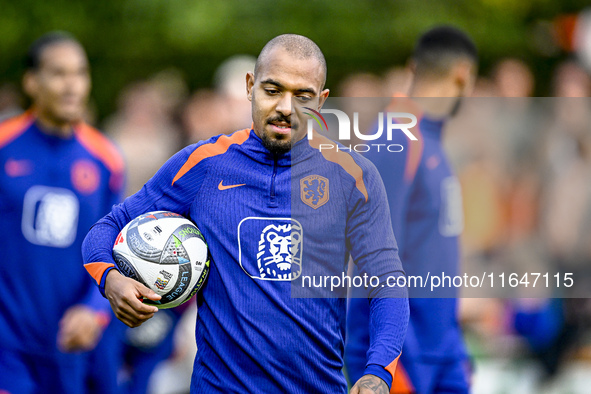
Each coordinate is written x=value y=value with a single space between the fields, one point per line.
x=411 y=66
x=322 y=98
x=249 y=85
x=30 y=85
x=464 y=76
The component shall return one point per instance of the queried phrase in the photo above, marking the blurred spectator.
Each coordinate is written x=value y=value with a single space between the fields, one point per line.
x=361 y=85
x=397 y=80
x=230 y=84
x=513 y=78
x=480 y=156
x=568 y=156
x=205 y=115
x=11 y=101
x=369 y=89
x=172 y=89
x=144 y=129
x=223 y=110
x=485 y=87
x=581 y=37
x=571 y=80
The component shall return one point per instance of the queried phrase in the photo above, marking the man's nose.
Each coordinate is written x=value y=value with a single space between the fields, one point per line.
x=284 y=105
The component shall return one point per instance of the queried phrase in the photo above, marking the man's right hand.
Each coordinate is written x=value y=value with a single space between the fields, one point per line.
x=370 y=384
x=125 y=296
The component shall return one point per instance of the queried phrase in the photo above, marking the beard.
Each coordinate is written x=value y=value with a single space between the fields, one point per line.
x=275 y=146
x=279 y=146
x=456 y=107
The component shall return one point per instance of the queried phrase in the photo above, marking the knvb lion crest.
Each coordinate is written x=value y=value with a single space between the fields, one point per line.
x=279 y=256
x=314 y=191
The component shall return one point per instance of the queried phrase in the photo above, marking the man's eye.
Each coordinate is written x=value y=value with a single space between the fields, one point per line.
x=272 y=91
x=304 y=98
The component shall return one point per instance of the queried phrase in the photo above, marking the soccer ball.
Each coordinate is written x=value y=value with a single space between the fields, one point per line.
x=167 y=253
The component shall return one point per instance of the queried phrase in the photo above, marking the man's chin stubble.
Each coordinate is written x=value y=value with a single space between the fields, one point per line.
x=276 y=147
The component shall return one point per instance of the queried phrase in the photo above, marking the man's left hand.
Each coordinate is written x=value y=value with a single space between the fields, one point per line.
x=79 y=329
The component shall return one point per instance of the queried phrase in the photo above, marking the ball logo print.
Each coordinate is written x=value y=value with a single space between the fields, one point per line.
x=314 y=191
x=167 y=253
x=119 y=239
x=277 y=254
x=161 y=283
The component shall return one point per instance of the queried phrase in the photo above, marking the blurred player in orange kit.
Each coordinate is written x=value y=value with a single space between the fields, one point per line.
x=426 y=212
x=57 y=177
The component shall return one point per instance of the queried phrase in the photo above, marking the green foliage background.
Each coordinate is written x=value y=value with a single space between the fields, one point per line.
x=128 y=40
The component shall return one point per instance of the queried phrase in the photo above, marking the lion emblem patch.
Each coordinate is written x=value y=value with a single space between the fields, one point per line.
x=314 y=191
x=279 y=256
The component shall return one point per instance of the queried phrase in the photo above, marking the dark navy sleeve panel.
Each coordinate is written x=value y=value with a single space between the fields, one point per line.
x=380 y=372
x=398 y=171
x=388 y=321
x=369 y=232
x=157 y=194
x=97 y=250
x=392 y=167
x=358 y=341
x=374 y=250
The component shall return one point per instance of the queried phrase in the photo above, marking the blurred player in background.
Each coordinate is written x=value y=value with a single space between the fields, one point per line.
x=425 y=204
x=57 y=177
x=252 y=335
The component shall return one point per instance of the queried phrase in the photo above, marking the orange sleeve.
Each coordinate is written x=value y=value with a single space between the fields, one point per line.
x=96 y=270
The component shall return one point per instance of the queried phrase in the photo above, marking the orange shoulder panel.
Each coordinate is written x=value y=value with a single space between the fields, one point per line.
x=344 y=159
x=212 y=149
x=100 y=147
x=13 y=127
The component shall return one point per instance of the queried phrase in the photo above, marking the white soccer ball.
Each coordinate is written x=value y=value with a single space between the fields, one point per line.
x=167 y=253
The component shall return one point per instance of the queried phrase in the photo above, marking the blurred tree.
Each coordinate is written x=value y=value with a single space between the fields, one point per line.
x=129 y=40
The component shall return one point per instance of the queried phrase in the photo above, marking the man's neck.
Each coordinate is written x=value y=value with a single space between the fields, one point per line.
x=53 y=127
x=436 y=98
